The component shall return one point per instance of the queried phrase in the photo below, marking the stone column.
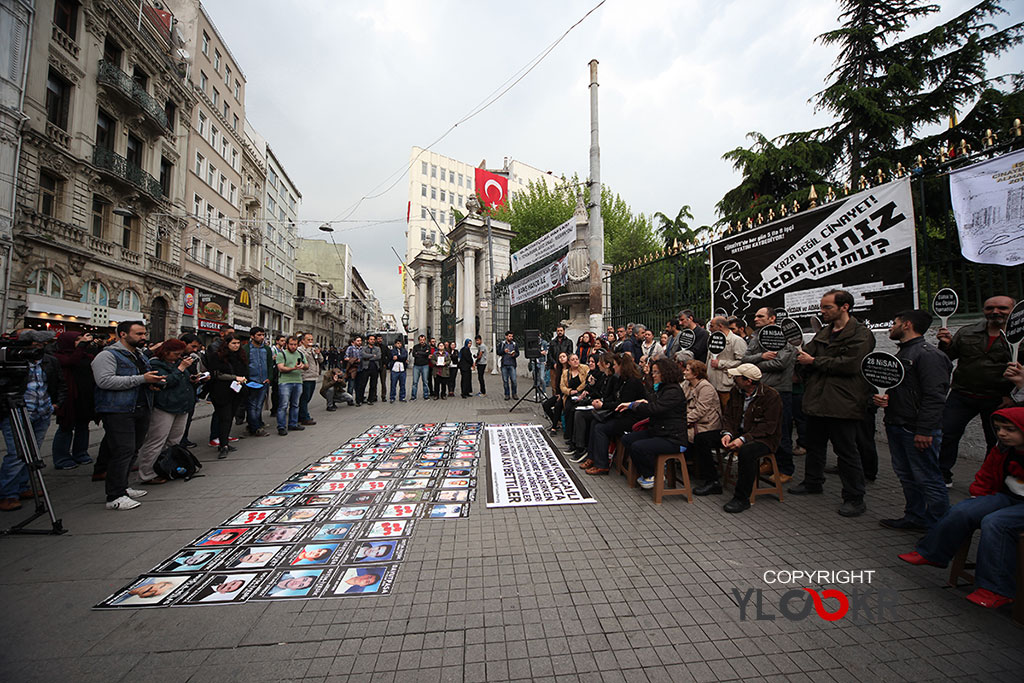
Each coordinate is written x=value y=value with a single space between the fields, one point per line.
x=469 y=297
x=421 y=304
x=460 y=275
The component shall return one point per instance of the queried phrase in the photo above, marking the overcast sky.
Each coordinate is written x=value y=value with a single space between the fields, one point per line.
x=342 y=90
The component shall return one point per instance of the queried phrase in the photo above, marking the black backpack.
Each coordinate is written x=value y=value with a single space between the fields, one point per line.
x=177 y=462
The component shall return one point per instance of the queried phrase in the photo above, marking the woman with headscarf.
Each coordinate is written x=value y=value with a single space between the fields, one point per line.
x=75 y=351
x=466 y=362
x=228 y=367
x=171 y=406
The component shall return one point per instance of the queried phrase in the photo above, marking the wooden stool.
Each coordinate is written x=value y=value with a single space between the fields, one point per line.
x=773 y=479
x=620 y=465
x=959 y=566
x=665 y=483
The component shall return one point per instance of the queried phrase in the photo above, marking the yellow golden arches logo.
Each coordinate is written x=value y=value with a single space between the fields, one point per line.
x=244 y=298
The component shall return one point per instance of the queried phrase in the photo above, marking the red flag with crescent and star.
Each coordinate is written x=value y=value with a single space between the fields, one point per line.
x=491 y=188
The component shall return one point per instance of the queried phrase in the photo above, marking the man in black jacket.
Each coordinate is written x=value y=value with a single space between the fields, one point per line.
x=700 y=335
x=913 y=422
x=421 y=366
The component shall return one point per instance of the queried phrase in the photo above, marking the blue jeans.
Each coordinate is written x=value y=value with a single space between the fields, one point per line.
x=308 y=388
x=421 y=373
x=1001 y=519
x=288 y=409
x=254 y=407
x=398 y=380
x=13 y=473
x=508 y=377
x=71 y=445
x=918 y=472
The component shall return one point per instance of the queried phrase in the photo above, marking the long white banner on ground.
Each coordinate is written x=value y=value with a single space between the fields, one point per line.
x=526 y=471
x=542 y=247
x=550 y=277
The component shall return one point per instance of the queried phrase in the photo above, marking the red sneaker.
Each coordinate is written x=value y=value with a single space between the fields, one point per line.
x=987 y=598
x=917 y=558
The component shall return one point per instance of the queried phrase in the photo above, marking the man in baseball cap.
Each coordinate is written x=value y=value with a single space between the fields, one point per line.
x=751 y=428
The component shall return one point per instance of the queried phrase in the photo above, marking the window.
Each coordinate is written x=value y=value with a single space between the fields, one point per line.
x=211 y=175
x=234 y=193
x=49 y=190
x=99 y=217
x=216 y=60
x=433 y=171
x=234 y=121
x=216 y=97
x=201 y=127
x=227 y=112
x=442 y=216
x=423 y=190
x=442 y=195
x=423 y=234
x=58 y=99
x=197 y=205
x=45 y=282
x=460 y=180
x=423 y=167
x=202 y=80
x=234 y=157
x=227 y=75
x=214 y=134
x=104 y=130
x=171 y=112
x=128 y=232
x=199 y=165
x=230 y=266
x=442 y=175
x=206 y=44
x=271 y=205
x=271 y=178
x=224 y=146
x=222 y=185
x=433 y=193
x=460 y=201
x=93 y=292
x=140 y=77
x=218 y=262
x=194 y=249
x=129 y=301
x=238 y=91
x=423 y=212
x=166 y=171
x=134 y=151
x=65 y=16
x=112 y=52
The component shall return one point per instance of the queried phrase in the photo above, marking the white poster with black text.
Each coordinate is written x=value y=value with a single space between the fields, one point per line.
x=988 y=202
x=526 y=471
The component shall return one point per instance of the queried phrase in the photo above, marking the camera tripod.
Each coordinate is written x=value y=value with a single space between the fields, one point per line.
x=537 y=394
x=13 y=404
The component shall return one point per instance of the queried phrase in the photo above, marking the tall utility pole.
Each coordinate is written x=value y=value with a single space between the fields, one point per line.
x=596 y=246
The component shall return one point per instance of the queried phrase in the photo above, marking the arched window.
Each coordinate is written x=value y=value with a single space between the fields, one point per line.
x=45 y=282
x=129 y=301
x=93 y=292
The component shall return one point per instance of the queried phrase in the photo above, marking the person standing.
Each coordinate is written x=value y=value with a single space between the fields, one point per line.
x=466 y=368
x=624 y=344
x=170 y=407
x=441 y=360
x=397 y=359
x=981 y=353
x=776 y=372
x=421 y=367
x=453 y=376
x=480 y=356
x=212 y=348
x=228 y=367
x=260 y=361
x=275 y=351
x=559 y=345
x=124 y=401
x=192 y=347
x=385 y=354
x=353 y=358
x=509 y=354
x=311 y=358
x=71 y=441
x=835 y=397
x=45 y=391
x=731 y=357
x=913 y=422
x=290 y=365
x=368 y=368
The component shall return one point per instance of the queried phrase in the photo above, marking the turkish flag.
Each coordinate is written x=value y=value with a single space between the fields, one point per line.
x=491 y=188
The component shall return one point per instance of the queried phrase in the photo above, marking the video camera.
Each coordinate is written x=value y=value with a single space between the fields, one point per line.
x=15 y=356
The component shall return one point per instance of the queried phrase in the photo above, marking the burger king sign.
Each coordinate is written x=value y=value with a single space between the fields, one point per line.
x=211 y=311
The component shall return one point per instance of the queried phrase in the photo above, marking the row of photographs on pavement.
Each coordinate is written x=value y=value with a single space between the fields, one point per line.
x=337 y=528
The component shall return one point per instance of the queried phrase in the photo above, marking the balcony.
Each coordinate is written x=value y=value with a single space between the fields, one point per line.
x=78 y=238
x=123 y=84
x=309 y=302
x=58 y=135
x=160 y=267
x=249 y=273
x=116 y=165
x=65 y=41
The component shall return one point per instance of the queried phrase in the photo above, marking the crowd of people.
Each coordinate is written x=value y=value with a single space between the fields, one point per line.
x=656 y=392
x=663 y=392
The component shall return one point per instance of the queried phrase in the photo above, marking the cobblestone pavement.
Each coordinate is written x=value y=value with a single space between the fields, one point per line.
x=619 y=590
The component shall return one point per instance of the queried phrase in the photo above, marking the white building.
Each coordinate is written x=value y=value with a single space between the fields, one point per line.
x=438 y=184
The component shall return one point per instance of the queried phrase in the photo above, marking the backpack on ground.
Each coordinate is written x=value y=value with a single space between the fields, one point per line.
x=177 y=462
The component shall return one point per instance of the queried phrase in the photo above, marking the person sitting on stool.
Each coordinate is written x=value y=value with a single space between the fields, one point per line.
x=751 y=427
x=665 y=406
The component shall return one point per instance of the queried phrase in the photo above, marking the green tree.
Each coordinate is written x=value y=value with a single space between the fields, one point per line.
x=539 y=209
x=677 y=230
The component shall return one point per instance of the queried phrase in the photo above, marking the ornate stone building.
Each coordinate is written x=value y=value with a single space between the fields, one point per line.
x=101 y=169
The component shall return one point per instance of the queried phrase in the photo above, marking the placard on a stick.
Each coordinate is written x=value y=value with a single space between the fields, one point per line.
x=781 y=314
x=794 y=335
x=882 y=370
x=945 y=304
x=772 y=338
x=716 y=343
x=1015 y=329
x=686 y=339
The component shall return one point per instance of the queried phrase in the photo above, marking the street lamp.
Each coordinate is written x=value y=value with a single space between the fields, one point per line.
x=326 y=227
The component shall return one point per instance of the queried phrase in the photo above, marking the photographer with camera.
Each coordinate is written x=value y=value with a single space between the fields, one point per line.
x=124 y=401
x=44 y=392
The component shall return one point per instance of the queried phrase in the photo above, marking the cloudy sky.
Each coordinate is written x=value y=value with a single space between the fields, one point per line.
x=342 y=90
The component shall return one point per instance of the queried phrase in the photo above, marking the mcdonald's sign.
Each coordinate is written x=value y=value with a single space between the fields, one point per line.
x=244 y=298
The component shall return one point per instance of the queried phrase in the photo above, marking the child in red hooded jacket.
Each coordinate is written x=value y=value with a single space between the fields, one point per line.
x=996 y=506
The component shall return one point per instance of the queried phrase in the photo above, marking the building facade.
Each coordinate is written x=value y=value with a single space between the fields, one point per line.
x=278 y=269
x=318 y=310
x=213 y=181
x=332 y=263
x=101 y=169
